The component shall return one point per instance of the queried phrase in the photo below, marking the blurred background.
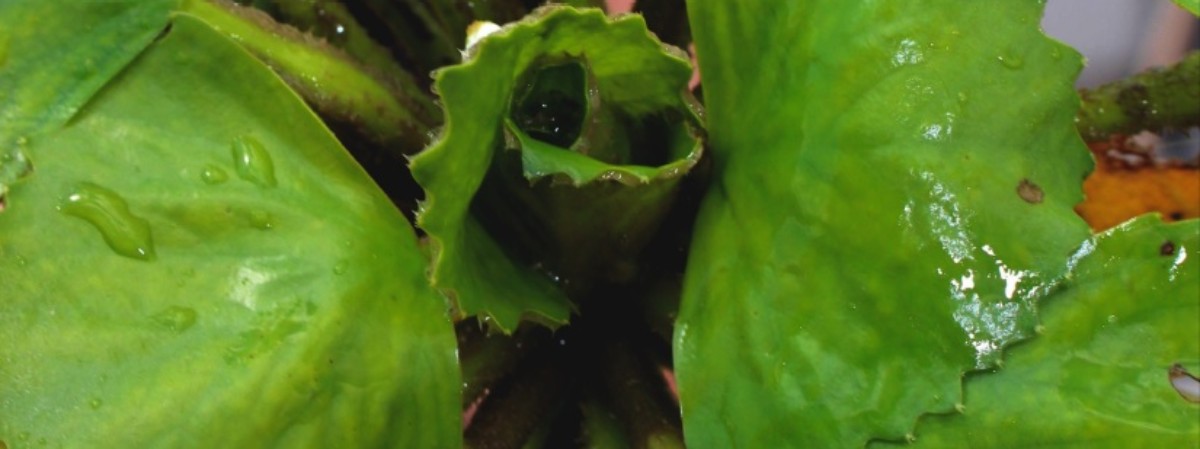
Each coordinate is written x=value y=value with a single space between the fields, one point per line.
x=1121 y=37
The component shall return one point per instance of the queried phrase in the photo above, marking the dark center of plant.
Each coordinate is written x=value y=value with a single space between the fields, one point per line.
x=553 y=103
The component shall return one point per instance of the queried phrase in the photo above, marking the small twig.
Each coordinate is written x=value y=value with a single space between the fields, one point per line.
x=1152 y=100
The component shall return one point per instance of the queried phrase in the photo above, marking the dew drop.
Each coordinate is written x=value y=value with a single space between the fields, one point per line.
x=1011 y=61
x=175 y=318
x=95 y=403
x=340 y=267
x=212 y=174
x=261 y=220
x=1112 y=319
x=252 y=161
x=125 y=233
x=14 y=165
x=1055 y=53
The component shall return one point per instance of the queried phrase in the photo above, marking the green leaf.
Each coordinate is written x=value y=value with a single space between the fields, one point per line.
x=388 y=110
x=46 y=73
x=633 y=74
x=895 y=192
x=1192 y=6
x=1097 y=376
x=196 y=260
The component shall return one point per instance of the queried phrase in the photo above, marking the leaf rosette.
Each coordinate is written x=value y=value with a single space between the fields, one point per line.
x=567 y=136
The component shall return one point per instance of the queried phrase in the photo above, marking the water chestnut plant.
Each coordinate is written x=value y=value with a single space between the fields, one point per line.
x=327 y=223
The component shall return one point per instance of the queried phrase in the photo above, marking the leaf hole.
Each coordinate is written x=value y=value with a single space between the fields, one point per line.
x=1167 y=248
x=1187 y=385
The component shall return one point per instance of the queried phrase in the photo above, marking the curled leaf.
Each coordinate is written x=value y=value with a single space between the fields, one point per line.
x=567 y=134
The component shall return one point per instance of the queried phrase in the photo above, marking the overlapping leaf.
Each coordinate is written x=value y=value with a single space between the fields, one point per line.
x=46 y=76
x=1097 y=377
x=894 y=195
x=196 y=261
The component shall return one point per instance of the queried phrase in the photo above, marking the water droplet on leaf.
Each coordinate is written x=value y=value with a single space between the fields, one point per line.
x=1011 y=61
x=252 y=161
x=340 y=267
x=212 y=174
x=176 y=318
x=124 y=232
x=95 y=403
x=261 y=220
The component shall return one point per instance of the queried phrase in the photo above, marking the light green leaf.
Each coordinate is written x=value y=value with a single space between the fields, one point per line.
x=634 y=75
x=1192 y=6
x=197 y=262
x=895 y=192
x=1097 y=377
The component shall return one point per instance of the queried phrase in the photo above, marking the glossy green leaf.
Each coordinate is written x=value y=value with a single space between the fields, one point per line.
x=895 y=192
x=197 y=262
x=632 y=71
x=1097 y=377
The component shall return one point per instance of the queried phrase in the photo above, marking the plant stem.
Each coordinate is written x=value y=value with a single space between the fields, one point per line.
x=650 y=423
x=391 y=112
x=331 y=20
x=511 y=413
x=601 y=430
x=1152 y=100
x=487 y=359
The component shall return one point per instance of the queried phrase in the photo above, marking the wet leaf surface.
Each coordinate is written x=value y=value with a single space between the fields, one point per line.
x=888 y=212
x=196 y=258
x=1098 y=376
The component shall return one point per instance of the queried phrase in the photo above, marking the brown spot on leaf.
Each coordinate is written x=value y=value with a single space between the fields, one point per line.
x=1030 y=192
x=1167 y=248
